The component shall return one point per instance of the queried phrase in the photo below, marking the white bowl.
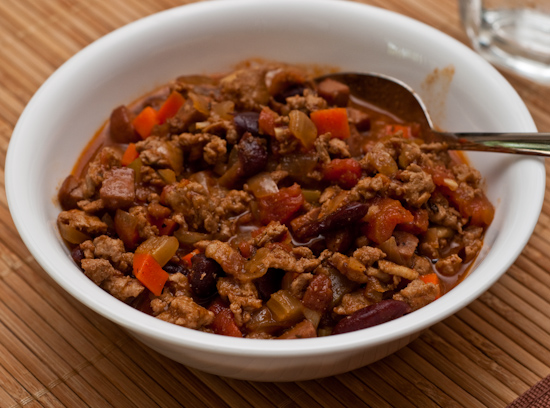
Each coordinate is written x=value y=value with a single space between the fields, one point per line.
x=213 y=36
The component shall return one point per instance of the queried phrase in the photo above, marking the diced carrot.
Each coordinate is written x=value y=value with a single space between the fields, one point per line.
x=346 y=172
x=145 y=121
x=167 y=227
x=149 y=273
x=224 y=320
x=129 y=155
x=334 y=120
x=430 y=278
x=187 y=258
x=170 y=107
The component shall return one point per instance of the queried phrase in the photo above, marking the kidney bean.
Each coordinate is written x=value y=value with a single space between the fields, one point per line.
x=70 y=193
x=339 y=240
x=172 y=267
x=269 y=283
x=203 y=275
x=372 y=315
x=252 y=155
x=77 y=254
x=121 y=129
x=247 y=122
x=293 y=90
x=343 y=217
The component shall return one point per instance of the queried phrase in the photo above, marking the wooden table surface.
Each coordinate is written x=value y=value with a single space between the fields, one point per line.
x=55 y=352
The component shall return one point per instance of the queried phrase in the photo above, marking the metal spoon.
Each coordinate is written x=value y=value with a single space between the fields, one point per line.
x=392 y=95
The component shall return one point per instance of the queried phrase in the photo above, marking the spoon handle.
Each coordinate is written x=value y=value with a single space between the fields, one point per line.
x=537 y=144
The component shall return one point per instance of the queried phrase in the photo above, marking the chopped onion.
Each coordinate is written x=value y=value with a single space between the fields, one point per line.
x=262 y=184
x=162 y=248
x=224 y=109
x=200 y=103
x=189 y=237
x=71 y=234
x=303 y=128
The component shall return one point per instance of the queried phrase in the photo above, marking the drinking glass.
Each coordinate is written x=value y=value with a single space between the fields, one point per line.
x=512 y=34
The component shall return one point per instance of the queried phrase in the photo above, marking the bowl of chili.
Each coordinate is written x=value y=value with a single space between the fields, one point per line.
x=464 y=93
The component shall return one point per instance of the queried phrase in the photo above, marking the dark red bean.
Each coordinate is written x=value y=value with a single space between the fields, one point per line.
x=172 y=267
x=247 y=122
x=77 y=254
x=340 y=240
x=121 y=129
x=70 y=193
x=269 y=283
x=252 y=155
x=293 y=90
x=203 y=275
x=342 y=217
x=372 y=315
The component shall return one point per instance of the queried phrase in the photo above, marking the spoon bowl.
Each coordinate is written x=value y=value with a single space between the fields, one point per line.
x=393 y=95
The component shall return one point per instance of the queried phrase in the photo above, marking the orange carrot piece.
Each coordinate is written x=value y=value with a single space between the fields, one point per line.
x=129 y=155
x=149 y=273
x=170 y=107
x=333 y=120
x=430 y=278
x=167 y=227
x=145 y=121
x=187 y=258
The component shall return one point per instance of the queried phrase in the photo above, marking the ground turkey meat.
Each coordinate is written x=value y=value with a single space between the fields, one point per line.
x=264 y=203
x=103 y=274
x=81 y=221
x=418 y=294
x=183 y=311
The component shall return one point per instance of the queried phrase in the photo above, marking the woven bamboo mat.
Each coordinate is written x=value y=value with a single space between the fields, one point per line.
x=54 y=352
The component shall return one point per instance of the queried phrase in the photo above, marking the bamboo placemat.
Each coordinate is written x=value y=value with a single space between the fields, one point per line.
x=54 y=352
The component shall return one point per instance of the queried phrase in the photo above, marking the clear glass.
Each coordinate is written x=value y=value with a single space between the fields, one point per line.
x=512 y=34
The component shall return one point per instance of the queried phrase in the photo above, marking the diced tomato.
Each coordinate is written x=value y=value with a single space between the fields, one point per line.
x=440 y=175
x=245 y=249
x=149 y=272
x=479 y=209
x=130 y=154
x=170 y=107
x=266 y=121
x=383 y=216
x=346 y=172
x=145 y=121
x=280 y=206
x=418 y=225
x=334 y=120
x=224 y=321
